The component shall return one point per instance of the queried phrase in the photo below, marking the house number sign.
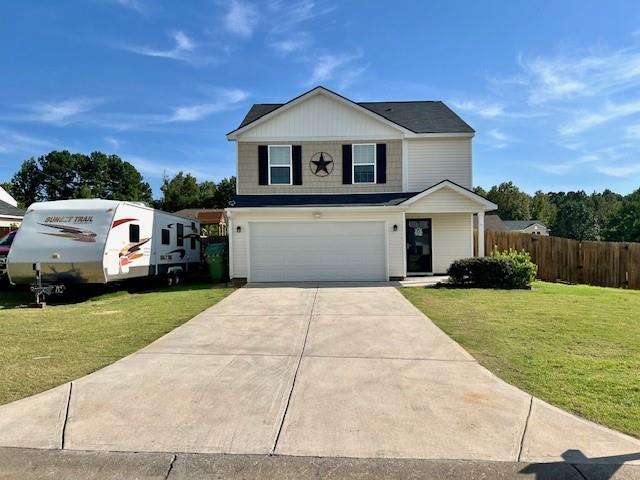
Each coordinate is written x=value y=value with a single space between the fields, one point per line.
x=321 y=164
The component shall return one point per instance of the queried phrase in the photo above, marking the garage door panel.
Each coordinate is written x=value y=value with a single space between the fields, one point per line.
x=317 y=251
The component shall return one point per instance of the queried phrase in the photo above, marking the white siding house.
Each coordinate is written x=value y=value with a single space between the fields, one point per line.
x=330 y=189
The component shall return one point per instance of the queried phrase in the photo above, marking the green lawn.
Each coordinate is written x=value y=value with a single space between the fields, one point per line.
x=577 y=347
x=40 y=349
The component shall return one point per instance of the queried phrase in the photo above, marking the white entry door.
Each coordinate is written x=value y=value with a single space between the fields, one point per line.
x=317 y=251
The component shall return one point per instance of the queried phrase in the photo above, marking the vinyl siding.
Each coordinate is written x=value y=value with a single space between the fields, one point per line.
x=443 y=201
x=320 y=117
x=248 y=169
x=395 y=246
x=430 y=161
x=451 y=238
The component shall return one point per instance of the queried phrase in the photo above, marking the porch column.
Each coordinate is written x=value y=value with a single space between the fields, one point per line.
x=481 y=234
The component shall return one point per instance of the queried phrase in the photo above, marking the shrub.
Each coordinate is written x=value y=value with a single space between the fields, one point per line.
x=486 y=272
x=510 y=269
x=526 y=270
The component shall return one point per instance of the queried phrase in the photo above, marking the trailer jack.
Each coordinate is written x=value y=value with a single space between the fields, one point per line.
x=42 y=291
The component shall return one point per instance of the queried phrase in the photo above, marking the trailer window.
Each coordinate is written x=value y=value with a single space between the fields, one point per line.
x=193 y=235
x=180 y=228
x=166 y=237
x=134 y=233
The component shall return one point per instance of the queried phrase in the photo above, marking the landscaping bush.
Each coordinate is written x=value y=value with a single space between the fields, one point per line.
x=526 y=270
x=510 y=269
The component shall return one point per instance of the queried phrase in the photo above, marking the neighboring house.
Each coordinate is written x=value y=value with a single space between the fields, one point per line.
x=207 y=217
x=534 y=227
x=491 y=222
x=10 y=215
x=331 y=189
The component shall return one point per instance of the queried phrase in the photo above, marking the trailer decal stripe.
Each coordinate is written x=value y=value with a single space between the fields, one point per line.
x=123 y=220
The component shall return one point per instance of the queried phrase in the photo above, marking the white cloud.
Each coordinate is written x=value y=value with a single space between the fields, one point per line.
x=329 y=66
x=555 y=168
x=291 y=45
x=113 y=142
x=570 y=76
x=498 y=139
x=183 y=49
x=132 y=5
x=633 y=131
x=483 y=109
x=584 y=121
x=12 y=141
x=191 y=113
x=619 y=170
x=60 y=113
x=241 y=18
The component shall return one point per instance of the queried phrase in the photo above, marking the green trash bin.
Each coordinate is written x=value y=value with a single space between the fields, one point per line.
x=215 y=258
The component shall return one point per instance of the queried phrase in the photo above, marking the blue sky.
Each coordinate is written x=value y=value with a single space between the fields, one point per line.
x=552 y=88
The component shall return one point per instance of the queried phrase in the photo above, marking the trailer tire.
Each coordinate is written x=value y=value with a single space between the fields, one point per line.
x=170 y=280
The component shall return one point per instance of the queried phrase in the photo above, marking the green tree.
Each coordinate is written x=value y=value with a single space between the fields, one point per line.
x=480 y=191
x=606 y=206
x=542 y=208
x=208 y=193
x=64 y=175
x=513 y=203
x=576 y=216
x=624 y=225
x=182 y=191
x=225 y=193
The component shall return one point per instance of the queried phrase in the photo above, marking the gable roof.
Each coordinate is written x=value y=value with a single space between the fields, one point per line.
x=522 y=224
x=10 y=210
x=415 y=116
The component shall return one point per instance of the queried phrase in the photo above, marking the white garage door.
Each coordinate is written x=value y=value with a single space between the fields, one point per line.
x=317 y=251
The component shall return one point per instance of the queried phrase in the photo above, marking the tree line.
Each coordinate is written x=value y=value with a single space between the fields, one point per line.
x=578 y=215
x=62 y=175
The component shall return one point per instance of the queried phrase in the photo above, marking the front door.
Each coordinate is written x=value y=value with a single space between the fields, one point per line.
x=419 y=254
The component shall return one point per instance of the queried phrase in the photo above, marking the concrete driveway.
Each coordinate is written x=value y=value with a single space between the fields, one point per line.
x=336 y=370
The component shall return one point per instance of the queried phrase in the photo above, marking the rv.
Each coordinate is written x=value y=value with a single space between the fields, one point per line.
x=101 y=241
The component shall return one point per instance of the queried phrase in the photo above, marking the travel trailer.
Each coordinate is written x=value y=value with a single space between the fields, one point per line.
x=101 y=241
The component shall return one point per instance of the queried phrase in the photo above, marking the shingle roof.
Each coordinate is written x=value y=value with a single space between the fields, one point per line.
x=491 y=222
x=418 y=116
x=310 y=200
x=6 y=209
x=206 y=216
x=520 y=224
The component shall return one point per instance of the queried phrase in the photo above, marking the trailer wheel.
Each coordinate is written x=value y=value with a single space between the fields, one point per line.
x=170 y=280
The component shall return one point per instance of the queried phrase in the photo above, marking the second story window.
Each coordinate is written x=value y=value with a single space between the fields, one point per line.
x=280 y=171
x=364 y=163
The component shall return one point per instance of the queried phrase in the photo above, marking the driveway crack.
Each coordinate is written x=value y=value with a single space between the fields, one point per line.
x=524 y=430
x=295 y=374
x=66 y=417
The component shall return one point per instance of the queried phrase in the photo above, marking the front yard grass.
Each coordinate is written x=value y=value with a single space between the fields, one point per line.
x=577 y=347
x=40 y=349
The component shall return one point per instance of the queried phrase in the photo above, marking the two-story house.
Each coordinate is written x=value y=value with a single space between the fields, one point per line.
x=329 y=189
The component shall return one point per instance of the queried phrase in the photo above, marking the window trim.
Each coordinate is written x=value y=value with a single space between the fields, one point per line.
x=290 y=166
x=134 y=238
x=162 y=236
x=179 y=235
x=353 y=164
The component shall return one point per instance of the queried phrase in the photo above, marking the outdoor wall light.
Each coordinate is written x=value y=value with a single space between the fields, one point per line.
x=395 y=228
x=238 y=229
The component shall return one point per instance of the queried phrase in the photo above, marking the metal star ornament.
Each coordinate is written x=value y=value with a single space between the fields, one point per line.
x=323 y=166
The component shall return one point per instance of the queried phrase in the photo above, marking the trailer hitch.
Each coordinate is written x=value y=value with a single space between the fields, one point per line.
x=42 y=291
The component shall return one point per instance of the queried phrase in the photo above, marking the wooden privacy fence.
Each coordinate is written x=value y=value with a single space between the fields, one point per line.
x=606 y=264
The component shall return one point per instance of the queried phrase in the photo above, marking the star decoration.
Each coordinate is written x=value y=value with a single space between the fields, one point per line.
x=321 y=165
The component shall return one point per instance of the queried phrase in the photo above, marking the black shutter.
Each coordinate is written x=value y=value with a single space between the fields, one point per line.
x=296 y=154
x=381 y=163
x=346 y=164
x=263 y=165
